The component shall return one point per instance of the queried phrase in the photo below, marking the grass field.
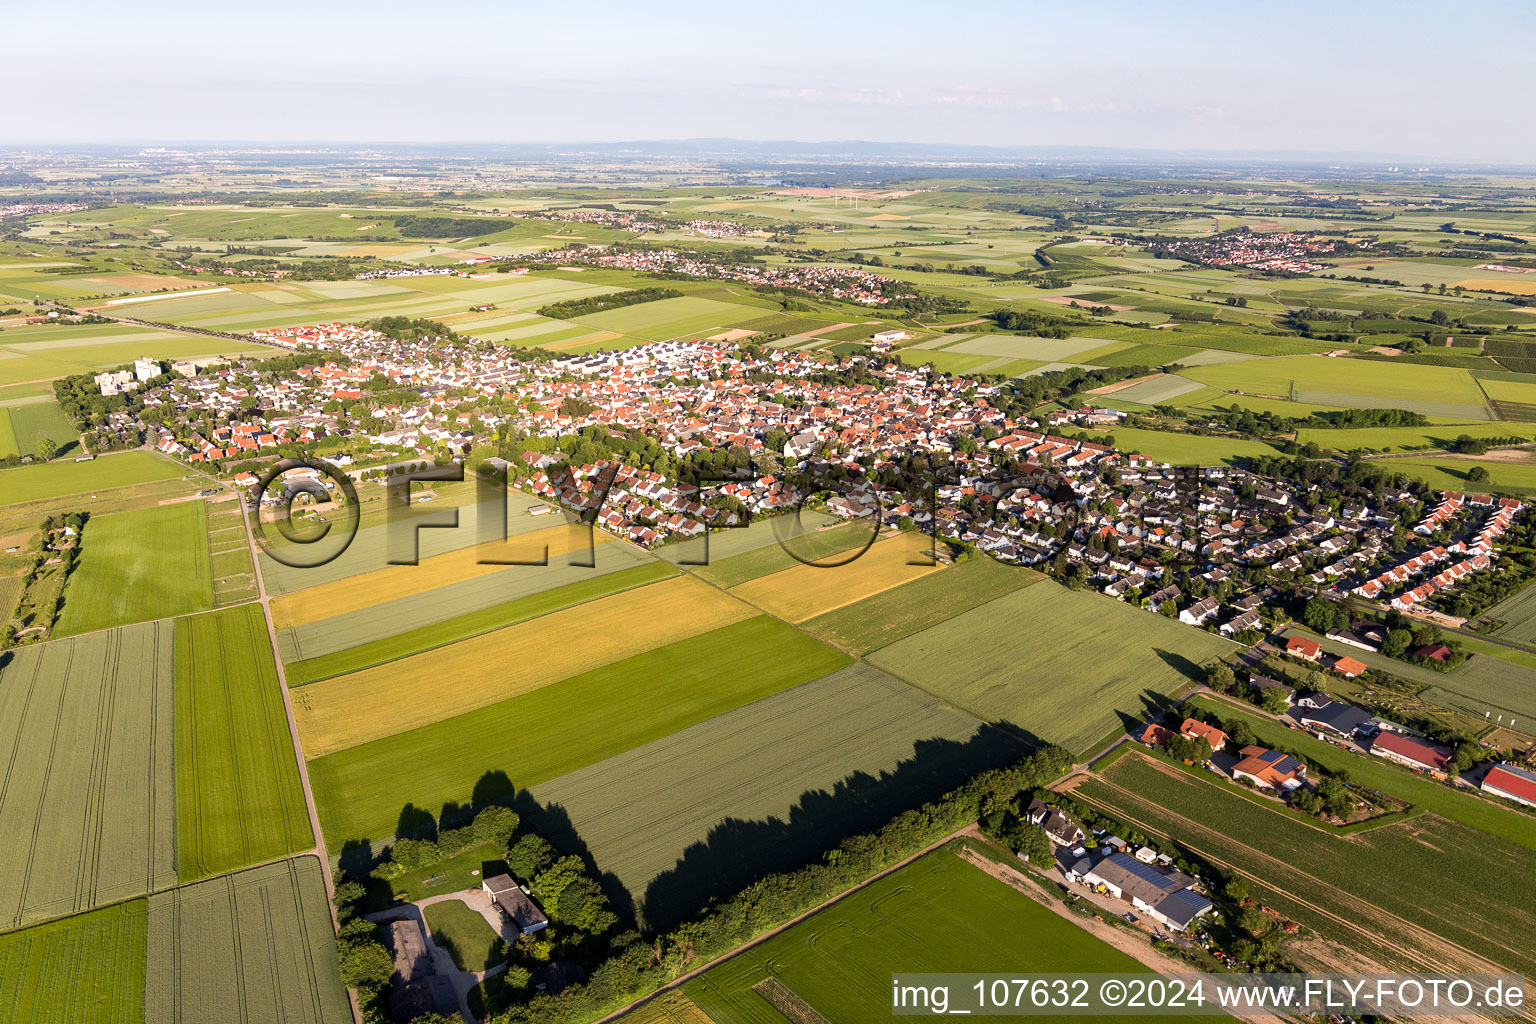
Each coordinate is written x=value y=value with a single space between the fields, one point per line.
x=87 y=807
x=87 y=969
x=763 y=788
x=1377 y=773
x=398 y=640
x=671 y=318
x=1189 y=449
x=1422 y=881
x=238 y=799
x=465 y=935
x=148 y=564
x=1450 y=474
x=1038 y=659
x=57 y=479
x=558 y=729
x=804 y=591
x=839 y=962
x=885 y=618
x=24 y=427
x=448 y=681
x=254 y=947
x=1431 y=390
x=1406 y=438
x=397 y=581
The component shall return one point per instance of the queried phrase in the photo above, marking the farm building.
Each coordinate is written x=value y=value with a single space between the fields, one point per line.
x=1162 y=893
x=417 y=987
x=1337 y=717
x=1270 y=769
x=515 y=903
x=1511 y=783
x=1414 y=753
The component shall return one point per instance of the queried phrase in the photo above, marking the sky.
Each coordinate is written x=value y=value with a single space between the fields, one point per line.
x=1402 y=78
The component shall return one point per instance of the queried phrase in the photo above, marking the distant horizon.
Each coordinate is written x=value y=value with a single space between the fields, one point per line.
x=1407 y=78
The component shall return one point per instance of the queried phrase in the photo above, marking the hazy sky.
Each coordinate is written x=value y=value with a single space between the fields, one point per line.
x=1441 y=80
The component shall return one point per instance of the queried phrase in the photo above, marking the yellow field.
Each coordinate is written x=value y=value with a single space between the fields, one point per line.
x=438 y=684
x=396 y=581
x=805 y=591
x=669 y=1008
x=1512 y=284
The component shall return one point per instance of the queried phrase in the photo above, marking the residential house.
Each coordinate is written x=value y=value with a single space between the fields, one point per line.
x=1062 y=829
x=516 y=904
x=1301 y=647
x=1269 y=769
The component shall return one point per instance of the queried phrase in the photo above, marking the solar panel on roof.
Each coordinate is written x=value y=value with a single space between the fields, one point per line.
x=1146 y=872
x=1287 y=764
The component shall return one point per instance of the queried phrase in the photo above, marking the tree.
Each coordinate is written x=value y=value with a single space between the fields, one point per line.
x=529 y=856
x=365 y=965
x=1320 y=614
x=47 y=448
x=1477 y=474
x=1273 y=700
x=1396 y=643
x=1219 y=676
x=1036 y=846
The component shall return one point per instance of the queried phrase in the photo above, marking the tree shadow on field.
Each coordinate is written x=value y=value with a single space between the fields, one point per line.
x=1154 y=705
x=1180 y=664
x=738 y=852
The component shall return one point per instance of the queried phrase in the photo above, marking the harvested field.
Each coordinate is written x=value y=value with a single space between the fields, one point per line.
x=398 y=581
x=760 y=533
x=876 y=621
x=386 y=634
x=87 y=969
x=88 y=805
x=558 y=729
x=1038 y=660
x=254 y=947
x=238 y=799
x=147 y=564
x=439 y=684
x=705 y=811
x=803 y=591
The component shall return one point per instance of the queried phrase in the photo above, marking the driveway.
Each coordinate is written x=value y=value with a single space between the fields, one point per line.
x=442 y=963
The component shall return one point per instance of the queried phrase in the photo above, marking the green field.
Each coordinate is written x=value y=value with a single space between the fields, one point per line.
x=57 y=479
x=1419 y=790
x=1518 y=615
x=671 y=318
x=396 y=640
x=87 y=808
x=781 y=536
x=1422 y=881
x=87 y=969
x=148 y=564
x=238 y=799
x=1450 y=474
x=710 y=808
x=839 y=962
x=360 y=792
x=885 y=618
x=1189 y=449
x=24 y=427
x=1398 y=385
x=1037 y=660
x=1407 y=438
x=254 y=947
x=465 y=935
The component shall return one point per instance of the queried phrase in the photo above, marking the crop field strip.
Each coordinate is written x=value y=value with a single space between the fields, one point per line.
x=560 y=728
x=238 y=798
x=897 y=613
x=1422 y=881
x=387 y=635
x=88 y=799
x=838 y=962
x=85 y=969
x=448 y=597
x=1036 y=659
x=147 y=564
x=255 y=946
x=374 y=703
x=773 y=761
x=805 y=591
x=833 y=543
x=370 y=549
x=397 y=581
